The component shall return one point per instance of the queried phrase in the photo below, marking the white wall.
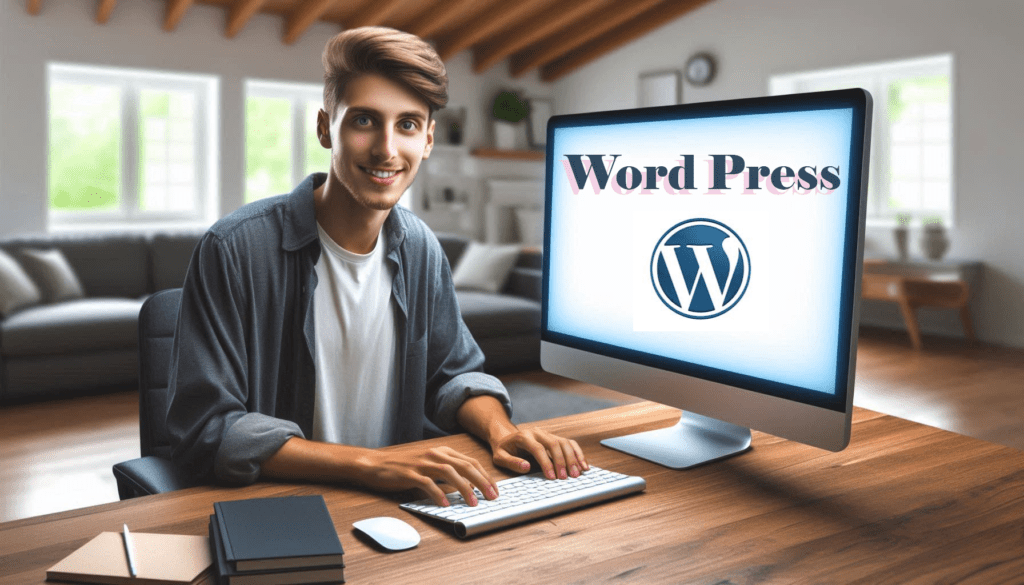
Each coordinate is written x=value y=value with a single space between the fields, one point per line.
x=133 y=37
x=754 y=40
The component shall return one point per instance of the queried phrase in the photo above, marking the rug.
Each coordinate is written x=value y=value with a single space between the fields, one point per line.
x=531 y=402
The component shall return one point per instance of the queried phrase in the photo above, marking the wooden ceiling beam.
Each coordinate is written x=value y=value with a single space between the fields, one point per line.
x=303 y=17
x=239 y=15
x=103 y=10
x=435 y=17
x=545 y=22
x=34 y=7
x=486 y=23
x=630 y=31
x=175 y=10
x=375 y=13
x=576 y=34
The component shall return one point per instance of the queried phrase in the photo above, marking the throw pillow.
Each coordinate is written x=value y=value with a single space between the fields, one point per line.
x=485 y=267
x=52 y=274
x=16 y=288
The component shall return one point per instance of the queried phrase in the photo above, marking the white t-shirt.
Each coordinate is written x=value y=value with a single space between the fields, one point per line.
x=356 y=347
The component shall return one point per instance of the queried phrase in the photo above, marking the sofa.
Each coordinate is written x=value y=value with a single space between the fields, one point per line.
x=90 y=344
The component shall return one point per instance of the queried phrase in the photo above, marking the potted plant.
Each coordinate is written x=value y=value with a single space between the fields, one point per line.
x=509 y=112
x=934 y=241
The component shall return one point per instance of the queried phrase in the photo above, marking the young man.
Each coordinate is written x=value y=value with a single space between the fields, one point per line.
x=317 y=326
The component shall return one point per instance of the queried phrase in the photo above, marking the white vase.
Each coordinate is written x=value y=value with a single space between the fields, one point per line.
x=505 y=135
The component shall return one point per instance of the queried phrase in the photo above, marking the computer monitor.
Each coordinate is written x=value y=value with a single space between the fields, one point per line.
x=708 y=257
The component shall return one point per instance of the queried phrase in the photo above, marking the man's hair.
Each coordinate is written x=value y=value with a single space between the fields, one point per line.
x=401 y=57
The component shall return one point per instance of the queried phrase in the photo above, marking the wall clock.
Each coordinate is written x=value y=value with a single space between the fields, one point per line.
x=700 y=69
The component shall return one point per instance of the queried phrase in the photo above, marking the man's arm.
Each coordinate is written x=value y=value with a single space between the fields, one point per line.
x=212 y=434
x=384 y=470
x=484 y=416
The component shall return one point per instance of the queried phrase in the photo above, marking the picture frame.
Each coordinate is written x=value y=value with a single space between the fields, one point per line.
x=659 y=88
x=541 y=109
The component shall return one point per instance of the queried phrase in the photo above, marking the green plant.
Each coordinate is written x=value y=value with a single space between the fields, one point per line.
x=510 y=107
x=932 y=221
x=903 y=219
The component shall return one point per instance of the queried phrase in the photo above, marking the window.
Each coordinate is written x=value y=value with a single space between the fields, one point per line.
x=281 y=146
x=130 y=147
x=911 y=172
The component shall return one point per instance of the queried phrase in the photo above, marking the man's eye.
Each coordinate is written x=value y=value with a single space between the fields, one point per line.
x=362 y=120
x=408 y=125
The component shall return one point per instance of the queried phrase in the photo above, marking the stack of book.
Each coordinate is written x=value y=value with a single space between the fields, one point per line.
x=266 y=541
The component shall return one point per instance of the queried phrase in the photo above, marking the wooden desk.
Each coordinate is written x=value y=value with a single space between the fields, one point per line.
x=913 y=285
x=904 y=503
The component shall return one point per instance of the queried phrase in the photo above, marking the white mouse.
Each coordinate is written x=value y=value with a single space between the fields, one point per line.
x=391 y=533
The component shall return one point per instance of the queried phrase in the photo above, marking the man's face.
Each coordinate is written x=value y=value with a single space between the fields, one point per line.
x=378 y=136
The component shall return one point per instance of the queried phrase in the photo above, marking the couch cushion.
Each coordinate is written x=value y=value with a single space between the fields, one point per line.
x=485 y=267
x=72 y=326
x=169 y=256
x=493 y=315
x=16 y=287
x=52 y=274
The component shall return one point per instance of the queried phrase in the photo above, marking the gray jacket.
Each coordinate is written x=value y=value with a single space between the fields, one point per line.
x=243 y=377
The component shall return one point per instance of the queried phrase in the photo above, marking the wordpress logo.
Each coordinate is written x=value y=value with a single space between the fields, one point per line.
x=700 y=268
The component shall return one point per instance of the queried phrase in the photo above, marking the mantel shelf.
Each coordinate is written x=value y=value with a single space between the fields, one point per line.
x=537 y=155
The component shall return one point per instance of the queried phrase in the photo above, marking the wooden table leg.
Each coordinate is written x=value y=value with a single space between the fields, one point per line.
x=965 y=318
x=910 y=318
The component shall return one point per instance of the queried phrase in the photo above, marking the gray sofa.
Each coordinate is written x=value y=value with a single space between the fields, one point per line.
x=91 y=344
x=88 y=344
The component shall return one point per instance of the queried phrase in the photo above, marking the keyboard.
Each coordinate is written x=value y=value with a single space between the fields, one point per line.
x=528 y=497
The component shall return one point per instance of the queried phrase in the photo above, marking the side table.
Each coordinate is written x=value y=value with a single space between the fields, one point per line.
x=916 y=284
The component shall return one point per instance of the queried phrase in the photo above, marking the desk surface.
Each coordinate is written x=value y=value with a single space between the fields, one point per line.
x=903 y=503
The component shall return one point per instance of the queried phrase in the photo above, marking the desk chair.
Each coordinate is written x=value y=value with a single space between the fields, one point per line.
x=153 y=473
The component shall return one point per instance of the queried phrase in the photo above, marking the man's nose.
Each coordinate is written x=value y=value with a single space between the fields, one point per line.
x=384 y=147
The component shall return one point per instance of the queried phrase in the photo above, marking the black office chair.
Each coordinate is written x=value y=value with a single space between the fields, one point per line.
x=153 y=473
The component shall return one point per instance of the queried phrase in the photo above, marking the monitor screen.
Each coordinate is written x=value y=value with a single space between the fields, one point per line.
x=719 y=241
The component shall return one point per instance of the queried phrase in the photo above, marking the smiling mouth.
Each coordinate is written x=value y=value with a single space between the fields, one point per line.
x=380 y=174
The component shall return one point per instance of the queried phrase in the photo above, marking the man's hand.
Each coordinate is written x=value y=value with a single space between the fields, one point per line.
x=382 y=470
x=399 y=471
x=557 y=456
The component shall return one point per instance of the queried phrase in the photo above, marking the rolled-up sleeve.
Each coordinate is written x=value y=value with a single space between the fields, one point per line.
x=212 y=433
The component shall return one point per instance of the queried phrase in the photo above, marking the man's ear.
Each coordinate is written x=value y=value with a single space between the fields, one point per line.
x=323 y=128
x=430 y=139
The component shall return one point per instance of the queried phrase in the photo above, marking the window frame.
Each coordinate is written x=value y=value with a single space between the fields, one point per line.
x=298 y=94
x=876 y=78
x=131 y=83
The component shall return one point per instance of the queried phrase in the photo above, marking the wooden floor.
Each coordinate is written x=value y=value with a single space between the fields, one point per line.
x=57 y=455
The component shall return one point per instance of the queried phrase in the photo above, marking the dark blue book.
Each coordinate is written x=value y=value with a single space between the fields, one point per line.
x=225 y=575
x=265 y=534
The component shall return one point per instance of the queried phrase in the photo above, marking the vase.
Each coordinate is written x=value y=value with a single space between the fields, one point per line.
x=901 y=236
x=505 y=135
x=934 y=241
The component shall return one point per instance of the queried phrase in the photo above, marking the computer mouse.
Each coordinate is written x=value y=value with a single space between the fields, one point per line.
x=391 y=533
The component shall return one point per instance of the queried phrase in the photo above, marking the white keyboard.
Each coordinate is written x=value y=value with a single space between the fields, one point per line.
x=528 y=497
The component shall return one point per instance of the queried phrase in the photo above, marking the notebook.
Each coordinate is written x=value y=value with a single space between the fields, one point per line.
x=160 y=559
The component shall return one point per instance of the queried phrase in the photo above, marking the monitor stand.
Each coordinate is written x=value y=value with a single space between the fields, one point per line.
x=694 y=440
